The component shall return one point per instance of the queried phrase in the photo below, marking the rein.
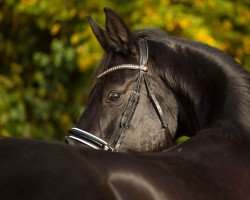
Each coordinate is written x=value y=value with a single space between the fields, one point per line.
x=118 y=136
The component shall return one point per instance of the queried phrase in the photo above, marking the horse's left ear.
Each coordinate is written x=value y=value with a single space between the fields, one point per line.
x=118 y=32
x=99 y=33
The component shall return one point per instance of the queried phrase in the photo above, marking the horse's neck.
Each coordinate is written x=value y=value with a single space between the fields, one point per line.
x=212 y=88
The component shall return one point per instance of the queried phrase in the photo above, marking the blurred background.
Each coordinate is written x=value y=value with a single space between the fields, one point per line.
x=48 y=53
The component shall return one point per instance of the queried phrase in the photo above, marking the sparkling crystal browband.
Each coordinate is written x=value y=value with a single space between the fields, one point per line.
x=125 y=66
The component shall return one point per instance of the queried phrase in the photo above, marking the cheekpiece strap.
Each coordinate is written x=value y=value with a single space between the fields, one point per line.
x=143 y=51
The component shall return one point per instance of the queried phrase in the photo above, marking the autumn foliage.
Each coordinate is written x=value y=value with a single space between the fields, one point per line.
x=48 y=53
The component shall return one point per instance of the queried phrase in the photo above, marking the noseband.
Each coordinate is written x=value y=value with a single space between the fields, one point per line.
x=117 y=138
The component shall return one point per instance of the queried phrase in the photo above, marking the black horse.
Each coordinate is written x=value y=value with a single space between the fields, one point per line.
x=151 y=89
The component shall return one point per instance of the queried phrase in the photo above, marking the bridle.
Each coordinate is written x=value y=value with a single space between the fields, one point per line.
x=117 y=138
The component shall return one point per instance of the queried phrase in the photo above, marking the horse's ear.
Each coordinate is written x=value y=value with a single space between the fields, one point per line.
x=99 y=32
x=118 y=32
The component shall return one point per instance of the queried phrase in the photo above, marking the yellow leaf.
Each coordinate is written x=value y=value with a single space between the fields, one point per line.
x=182 y=139
x=65 y=119
x=75 y=38
x=17 y=68
x=204 y=37
x=1 y=16
x=84 y=63
x=5 y=133
x=28 y=2
x=55 y=29
x=246 y=46
x=227 y=25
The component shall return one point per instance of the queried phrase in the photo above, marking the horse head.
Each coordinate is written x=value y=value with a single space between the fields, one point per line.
x=152 y=88
x=110 y=100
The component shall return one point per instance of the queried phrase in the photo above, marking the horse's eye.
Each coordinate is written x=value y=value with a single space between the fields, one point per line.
x=114 y=96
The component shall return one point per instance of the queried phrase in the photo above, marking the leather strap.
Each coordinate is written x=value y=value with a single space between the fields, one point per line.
x=143 y=51
x=158 y=109
x=133 y=99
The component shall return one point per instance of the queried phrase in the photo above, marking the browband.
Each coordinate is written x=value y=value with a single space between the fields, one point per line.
x=125 y=66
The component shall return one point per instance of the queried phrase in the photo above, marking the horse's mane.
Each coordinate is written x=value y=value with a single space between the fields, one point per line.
x=215 y=86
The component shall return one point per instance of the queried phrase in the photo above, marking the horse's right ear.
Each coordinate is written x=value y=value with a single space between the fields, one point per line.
x=99 y=32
